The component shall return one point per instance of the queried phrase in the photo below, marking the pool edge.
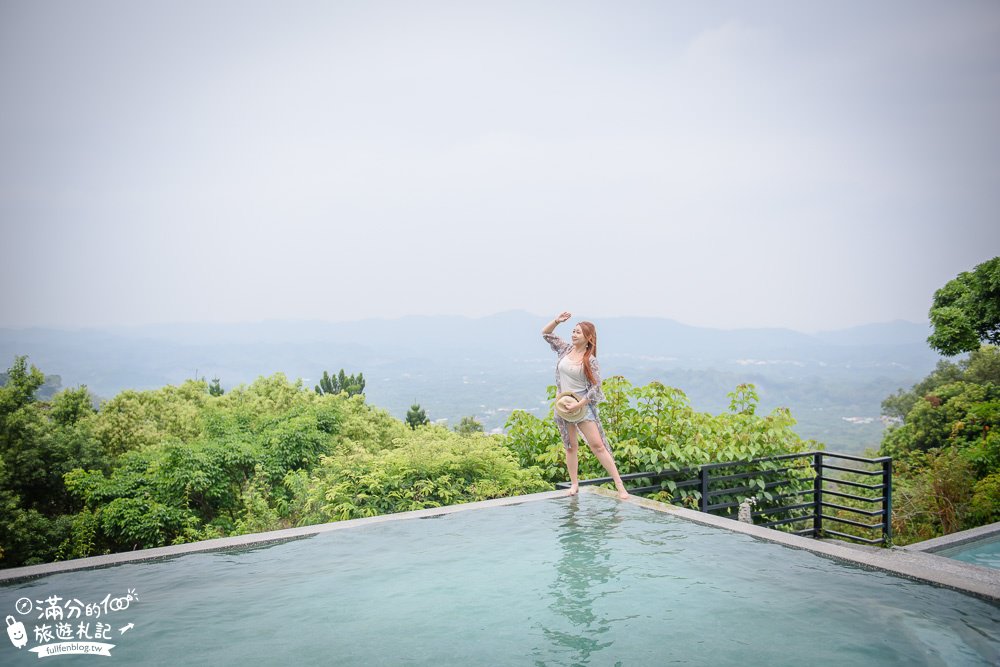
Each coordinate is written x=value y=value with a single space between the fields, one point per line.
x=28 y=572
x=981 y=582
x=909 y=563
x=955 y=539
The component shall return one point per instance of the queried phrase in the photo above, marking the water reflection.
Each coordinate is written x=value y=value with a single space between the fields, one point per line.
x=585 y=569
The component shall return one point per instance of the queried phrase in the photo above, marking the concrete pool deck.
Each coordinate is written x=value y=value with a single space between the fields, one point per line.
x=906 y=562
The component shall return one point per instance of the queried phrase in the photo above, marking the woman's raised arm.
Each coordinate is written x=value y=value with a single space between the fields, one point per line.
x=560 y=318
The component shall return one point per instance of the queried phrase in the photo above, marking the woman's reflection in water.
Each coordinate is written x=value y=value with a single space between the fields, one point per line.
x=584 y=570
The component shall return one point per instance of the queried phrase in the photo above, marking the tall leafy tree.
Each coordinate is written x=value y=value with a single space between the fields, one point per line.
x=39 y=443
x=966 y=311
x=416 y=416
x=21 y=429
x=468 y=426
x=352 y=385
x=947 y=449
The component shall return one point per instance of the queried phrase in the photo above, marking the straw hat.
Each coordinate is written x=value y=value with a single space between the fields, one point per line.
x=572 y=416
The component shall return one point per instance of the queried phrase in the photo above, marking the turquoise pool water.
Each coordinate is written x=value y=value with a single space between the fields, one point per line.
x=984 y=552
x=567 y=581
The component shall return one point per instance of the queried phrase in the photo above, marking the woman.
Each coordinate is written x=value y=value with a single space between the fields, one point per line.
x=577 y=371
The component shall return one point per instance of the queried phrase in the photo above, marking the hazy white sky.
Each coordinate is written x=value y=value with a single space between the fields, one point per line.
x=733 y=164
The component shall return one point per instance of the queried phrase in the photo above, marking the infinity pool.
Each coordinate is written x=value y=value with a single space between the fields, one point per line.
x=985 y=552
x=562 y=581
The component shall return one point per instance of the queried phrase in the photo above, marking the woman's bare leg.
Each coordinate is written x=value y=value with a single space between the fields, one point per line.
x=593 y=438
x=573 y=460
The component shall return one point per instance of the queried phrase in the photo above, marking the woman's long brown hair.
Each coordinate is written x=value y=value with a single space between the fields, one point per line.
x=590 y=335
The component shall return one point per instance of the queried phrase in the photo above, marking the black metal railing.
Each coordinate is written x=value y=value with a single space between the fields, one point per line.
x=790 y=489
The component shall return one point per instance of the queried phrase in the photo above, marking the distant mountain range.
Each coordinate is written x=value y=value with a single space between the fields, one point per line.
x=456 y=366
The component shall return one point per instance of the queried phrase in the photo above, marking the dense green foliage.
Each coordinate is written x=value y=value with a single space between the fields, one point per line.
x=654 y=428
x=434 y=467
x=186 y=463
x=966 y=311
x=38 y=445
x=179 y=464
x=49 y=388
x=947 y=450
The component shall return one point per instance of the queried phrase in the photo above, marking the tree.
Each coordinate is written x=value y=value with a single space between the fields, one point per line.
x=215 y=389
x=429 y=467
x=352 y=385
x=416 y=416
x=468 y=426
x=947 y=450
x=20 y=385
x=966 y=311
x=39 y=443
x=899 y=404
x=982 y=366
x=22 y=426
x=71 y=405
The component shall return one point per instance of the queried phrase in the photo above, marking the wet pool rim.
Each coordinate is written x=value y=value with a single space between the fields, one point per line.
x=911 y=562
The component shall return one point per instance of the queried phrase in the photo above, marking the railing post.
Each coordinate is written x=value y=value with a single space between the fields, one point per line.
x=703 y=476
x=818 y=494
x=887 y=502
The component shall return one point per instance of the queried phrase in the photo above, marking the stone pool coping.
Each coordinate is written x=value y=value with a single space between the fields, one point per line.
x=913 y=564
x=956 y=539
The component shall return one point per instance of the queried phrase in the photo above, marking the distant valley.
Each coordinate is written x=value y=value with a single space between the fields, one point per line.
x=833 y=382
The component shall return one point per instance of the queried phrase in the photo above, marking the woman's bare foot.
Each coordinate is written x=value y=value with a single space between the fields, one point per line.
x=573 y=490
x=623 y=494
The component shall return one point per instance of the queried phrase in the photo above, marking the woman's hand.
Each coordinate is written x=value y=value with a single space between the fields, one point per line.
x=560 y=318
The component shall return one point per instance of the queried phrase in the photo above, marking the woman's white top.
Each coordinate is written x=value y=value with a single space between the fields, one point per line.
x=571 y=376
